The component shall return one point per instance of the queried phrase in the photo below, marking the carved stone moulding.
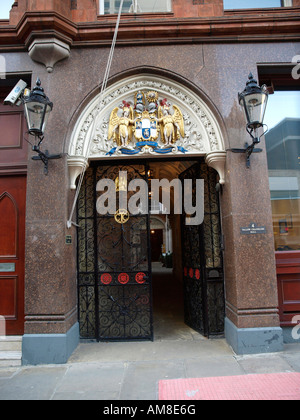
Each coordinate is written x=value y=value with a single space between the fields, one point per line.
x=217 y=161
x=203 y=135
x=48 y=51
x=76 y=166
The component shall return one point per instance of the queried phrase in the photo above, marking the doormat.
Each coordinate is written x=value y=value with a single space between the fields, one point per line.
x=277 y=386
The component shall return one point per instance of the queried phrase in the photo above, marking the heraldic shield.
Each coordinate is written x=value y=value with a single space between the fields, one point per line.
x=150 y=122
x=146 y=129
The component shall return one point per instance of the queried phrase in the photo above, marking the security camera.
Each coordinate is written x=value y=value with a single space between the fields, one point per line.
x=14 y=97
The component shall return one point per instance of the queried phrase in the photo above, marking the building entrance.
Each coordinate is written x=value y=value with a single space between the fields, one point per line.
x=120 y=284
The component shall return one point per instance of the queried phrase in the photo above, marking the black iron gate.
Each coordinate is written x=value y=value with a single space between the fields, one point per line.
x=114 y=262
x=202 y=259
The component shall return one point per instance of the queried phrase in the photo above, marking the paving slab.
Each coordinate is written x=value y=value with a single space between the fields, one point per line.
x=132 y=371
x=271 y=363
x=38 y=383
x=141 y=351
x=141 y=378
x=212 y=366
x=91 y=381
x=293 y=360
x=8 y=372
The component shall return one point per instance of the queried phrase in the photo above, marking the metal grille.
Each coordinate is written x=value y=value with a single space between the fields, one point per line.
x=115 y=296
x=114 y=263
x=202 y=260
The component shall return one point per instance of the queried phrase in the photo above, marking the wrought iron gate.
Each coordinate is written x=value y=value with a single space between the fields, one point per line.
x=202 y=259
x=114 y=264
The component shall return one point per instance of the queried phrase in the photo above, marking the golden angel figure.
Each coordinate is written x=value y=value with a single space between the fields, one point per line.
x=172 y=126
x=120 y=128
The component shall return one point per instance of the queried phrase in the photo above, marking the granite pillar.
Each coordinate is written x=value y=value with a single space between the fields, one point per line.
x=51 y=326
x=252 y=320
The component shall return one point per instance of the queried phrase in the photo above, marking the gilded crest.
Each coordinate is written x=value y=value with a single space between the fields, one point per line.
x=150 y=125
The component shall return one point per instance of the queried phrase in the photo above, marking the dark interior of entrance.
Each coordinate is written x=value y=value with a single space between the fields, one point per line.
x=166 y=252
x=171 y=288
x=167 y=281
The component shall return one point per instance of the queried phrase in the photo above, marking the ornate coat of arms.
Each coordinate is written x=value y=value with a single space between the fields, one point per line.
x=146 y=125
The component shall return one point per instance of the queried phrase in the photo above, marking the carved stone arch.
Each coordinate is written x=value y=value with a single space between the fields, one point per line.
x=203 y=133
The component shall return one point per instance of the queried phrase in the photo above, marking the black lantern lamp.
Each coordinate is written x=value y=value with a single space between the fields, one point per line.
x=37 y=109
x=254 y=101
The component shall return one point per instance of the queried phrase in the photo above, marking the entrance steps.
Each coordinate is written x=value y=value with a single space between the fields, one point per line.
x=10 y=351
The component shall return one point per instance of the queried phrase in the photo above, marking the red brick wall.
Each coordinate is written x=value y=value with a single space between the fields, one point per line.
x=86 y=10
x=198 y=8
x=21 y=6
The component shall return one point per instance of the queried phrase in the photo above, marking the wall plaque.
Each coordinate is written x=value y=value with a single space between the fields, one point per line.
x=253 y=229
x=7 y=267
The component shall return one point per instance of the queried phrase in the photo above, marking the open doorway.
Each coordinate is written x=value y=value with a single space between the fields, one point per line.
x=121 y=291
x=166 y=251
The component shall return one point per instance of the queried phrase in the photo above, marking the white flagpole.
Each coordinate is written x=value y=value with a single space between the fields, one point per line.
x=103 y=88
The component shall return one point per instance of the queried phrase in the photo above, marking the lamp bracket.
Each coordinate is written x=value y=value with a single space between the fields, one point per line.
x=44 y=157
x=248 y=150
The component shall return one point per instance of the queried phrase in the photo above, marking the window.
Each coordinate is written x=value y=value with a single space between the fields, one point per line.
x=143 y=6
x=5 y=7
x=255 y=4
x=283 y=152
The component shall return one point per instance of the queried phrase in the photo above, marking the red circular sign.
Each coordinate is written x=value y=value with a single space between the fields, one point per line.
x=106 y=278
x=123 y=278
x=140 y=278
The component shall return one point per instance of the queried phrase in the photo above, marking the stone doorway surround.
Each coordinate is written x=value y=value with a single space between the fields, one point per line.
x=251 y=327
x=252 y=321
x=203 y=135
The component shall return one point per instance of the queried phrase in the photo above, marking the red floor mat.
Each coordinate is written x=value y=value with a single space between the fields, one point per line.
x=278 y=386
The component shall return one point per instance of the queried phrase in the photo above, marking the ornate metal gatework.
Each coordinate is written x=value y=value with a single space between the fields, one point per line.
x=114 y=264
x=204 y=306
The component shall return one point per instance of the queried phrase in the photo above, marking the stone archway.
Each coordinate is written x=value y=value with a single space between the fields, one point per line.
x=203 y=135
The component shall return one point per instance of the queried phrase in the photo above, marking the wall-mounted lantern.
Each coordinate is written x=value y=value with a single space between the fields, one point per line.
x=37 y=108
x=254 y=101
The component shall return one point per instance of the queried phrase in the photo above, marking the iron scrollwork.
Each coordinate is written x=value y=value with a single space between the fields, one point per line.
x=202 y=260
x=115 y=296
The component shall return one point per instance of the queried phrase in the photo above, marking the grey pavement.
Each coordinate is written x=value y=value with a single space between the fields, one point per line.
x=131 y=371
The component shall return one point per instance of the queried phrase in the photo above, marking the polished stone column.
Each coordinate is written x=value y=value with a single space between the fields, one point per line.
x=252 y=319
x=51 y=327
